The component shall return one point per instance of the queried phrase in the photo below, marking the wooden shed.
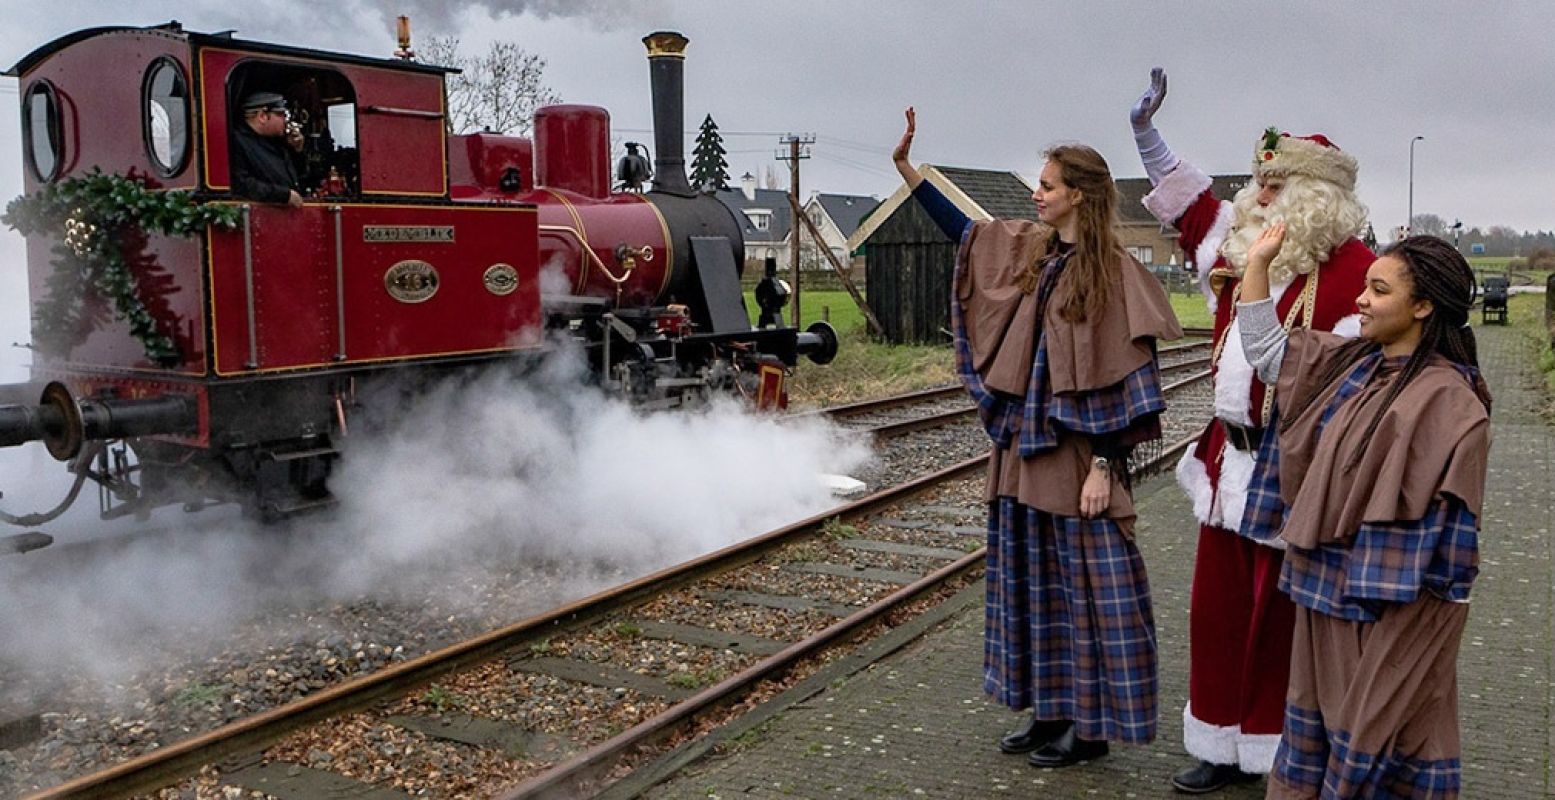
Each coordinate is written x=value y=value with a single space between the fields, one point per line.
x=908 y=259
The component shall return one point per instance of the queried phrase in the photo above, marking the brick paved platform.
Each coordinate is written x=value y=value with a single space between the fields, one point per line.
x=916 y=724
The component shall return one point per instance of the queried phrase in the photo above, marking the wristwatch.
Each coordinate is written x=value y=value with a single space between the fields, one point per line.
x=1100 y=462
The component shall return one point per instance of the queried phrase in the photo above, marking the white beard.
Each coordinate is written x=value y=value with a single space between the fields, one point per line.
x=1319 y=217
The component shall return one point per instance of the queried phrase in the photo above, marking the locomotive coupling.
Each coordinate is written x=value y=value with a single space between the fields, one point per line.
x=64 y=423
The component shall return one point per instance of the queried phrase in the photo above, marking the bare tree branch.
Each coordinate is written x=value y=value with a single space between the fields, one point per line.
x=498 y=92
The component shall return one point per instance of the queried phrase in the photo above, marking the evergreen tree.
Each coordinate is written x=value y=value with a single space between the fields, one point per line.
x=709 y=170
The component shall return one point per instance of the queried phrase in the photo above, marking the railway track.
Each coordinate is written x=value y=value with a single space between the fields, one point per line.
x=653 y=660
x=899 y=415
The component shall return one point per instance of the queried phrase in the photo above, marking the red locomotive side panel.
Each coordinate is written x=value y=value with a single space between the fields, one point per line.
x=103 y=120
x=398 y=125
x=477 y=163
x=413 y=282
x=168 y=274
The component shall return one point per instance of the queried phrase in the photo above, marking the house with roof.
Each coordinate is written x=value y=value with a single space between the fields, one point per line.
x=836 y=216
x=767 y=223
x=765 y=220
x=909 y=260
x=1146 y=239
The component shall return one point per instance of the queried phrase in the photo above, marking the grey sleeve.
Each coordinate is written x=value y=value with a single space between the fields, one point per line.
x=1263 y=340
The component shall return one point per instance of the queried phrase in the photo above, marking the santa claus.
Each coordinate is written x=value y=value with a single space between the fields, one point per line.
x=1240 y=622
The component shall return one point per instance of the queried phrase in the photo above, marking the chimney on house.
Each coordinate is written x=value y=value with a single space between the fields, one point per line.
x=748 y=187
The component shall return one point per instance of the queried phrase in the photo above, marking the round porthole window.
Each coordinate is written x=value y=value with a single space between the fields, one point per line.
x=41 y=131
x=166 y=116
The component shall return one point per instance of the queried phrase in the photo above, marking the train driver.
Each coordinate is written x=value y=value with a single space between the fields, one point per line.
x=264 y=151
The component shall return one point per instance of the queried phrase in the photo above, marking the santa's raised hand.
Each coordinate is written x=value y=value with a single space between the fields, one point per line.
x=1149 y=102
x=1157 y=157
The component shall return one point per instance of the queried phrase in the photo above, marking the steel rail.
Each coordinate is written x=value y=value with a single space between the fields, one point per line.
x=884 y=403
x=167 y=765
x=580 y=775
x=891 y=430
x=566 y=780
x=180 y=760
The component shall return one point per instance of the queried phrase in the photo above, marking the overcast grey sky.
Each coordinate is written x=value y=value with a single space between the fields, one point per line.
x=994 y=82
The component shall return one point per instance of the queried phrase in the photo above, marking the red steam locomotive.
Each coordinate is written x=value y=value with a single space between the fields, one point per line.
x=416 y=253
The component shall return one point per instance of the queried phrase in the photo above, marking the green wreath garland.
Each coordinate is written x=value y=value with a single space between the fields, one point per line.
x=91 y=218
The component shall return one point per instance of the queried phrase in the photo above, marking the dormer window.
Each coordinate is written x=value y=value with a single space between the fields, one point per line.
x=761 y=219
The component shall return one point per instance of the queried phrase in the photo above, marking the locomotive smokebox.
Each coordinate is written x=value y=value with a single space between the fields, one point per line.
x=666 y=69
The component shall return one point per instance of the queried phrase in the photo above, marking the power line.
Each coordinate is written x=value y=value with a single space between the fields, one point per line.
x=689 y=134
x=858 y=165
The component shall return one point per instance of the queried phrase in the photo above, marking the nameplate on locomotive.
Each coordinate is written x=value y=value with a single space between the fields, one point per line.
x=408 y=233
x=500 y=279
x=411 y=281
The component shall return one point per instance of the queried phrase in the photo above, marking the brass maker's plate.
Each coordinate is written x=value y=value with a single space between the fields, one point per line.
x=500 y=279
x=408 y=233
x=411 y=281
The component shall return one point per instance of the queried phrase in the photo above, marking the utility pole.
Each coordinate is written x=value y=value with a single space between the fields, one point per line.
x=797 y=148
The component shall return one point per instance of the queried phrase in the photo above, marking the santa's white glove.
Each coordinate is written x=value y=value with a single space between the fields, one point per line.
x=1157 y=157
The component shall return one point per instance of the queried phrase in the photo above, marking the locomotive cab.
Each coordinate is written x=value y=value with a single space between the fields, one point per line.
x=321 y=109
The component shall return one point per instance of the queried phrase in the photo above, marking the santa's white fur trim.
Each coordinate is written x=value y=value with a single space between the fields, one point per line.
x=1255 y=752
x=1207 y=256
x=1194 y=480
x=1236 y=472
x=1174 y=195
x=1349 y=327
x=1213 y=743
x=1234 y=379
x=1226 y=744
x=1233 y=375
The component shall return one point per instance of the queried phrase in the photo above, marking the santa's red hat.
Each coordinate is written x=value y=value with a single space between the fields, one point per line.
x=1280 y=154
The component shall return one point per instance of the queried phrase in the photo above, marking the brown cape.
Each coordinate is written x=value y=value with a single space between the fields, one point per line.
x=1001 y=315
x=1434 y=440
x=1002 y=330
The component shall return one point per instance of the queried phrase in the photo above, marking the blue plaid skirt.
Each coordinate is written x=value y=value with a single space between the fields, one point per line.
x=1068 y=628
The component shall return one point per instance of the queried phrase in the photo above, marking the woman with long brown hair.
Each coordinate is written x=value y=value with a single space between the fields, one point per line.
x=1055 y=334
x=1375 y=483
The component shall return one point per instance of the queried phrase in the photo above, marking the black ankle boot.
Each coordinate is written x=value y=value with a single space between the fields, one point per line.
x=1206 y=777
x=1066 y=750
x=1034 y=734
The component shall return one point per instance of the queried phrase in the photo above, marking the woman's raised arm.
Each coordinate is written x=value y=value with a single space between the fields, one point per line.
x=900 y=155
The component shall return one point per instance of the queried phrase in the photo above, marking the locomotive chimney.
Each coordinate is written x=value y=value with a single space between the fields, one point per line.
x=666 y=68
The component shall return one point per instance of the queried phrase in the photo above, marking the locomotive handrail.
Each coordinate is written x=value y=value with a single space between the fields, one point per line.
x=626 y=272
x=340 y=285
x=248 y=284
x=404 y=112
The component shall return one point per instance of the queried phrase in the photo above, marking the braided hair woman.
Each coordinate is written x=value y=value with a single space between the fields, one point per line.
x=1055 y=329
x=1375 y=482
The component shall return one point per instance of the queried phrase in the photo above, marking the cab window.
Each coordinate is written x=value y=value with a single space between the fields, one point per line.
x=165 y=116
x=41 y=128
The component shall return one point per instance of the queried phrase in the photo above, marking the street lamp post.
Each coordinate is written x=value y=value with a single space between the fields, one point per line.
x=1409 y=222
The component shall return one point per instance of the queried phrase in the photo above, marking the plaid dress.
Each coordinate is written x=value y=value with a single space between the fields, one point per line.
x=1069 y=630
x=1359 y=579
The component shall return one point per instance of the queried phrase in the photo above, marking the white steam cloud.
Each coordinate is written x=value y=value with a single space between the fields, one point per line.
x=493 y=481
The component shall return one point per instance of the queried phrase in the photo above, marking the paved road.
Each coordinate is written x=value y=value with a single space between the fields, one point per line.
x=917 y=725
